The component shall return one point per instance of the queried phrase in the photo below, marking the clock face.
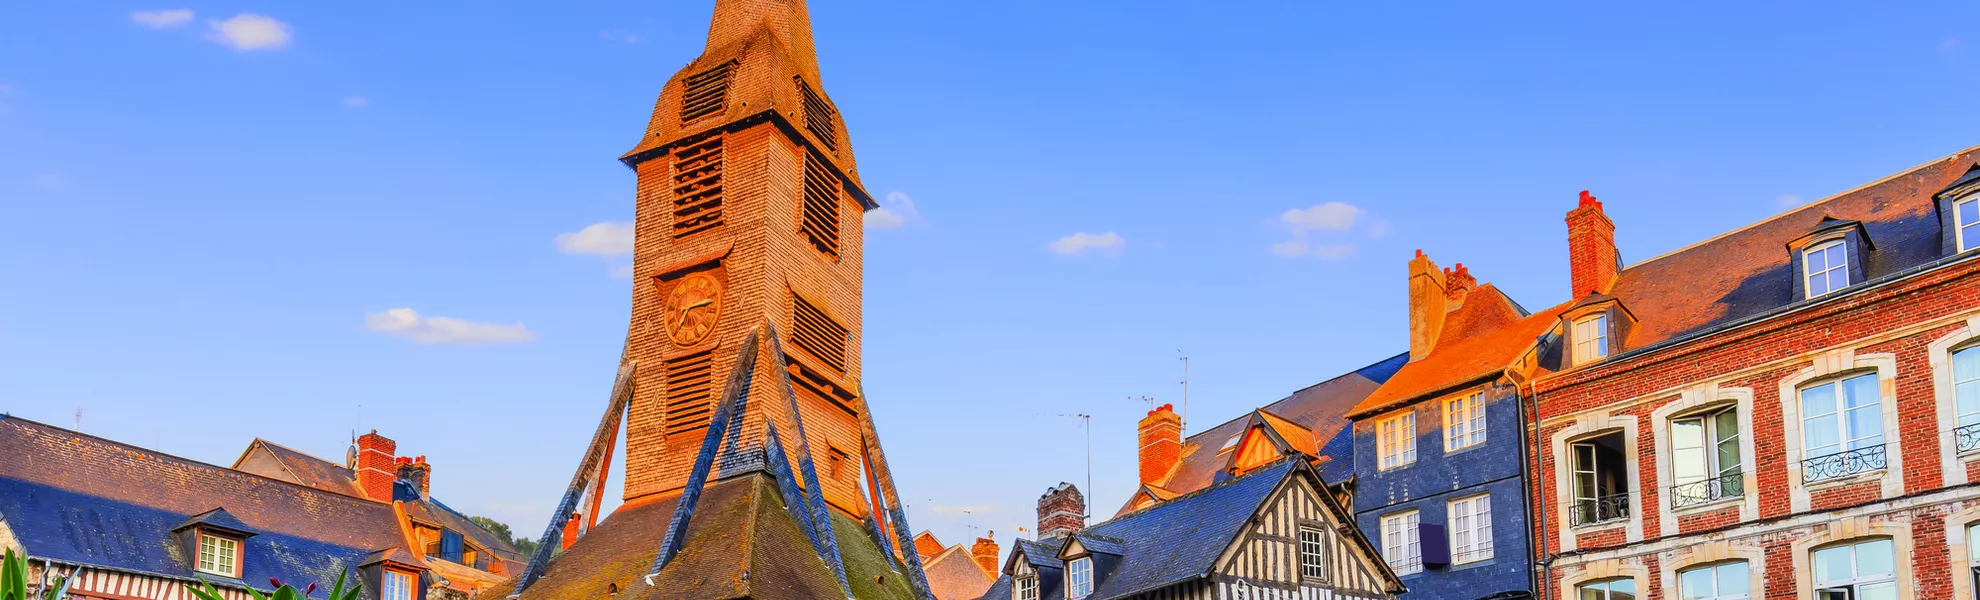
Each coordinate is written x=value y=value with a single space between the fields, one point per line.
x=692 y=307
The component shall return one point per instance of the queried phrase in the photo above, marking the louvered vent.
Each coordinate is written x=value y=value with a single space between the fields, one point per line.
x=818 y=116
x=706 y=93
x=818 y=334
x=690 y=392
x=821 y=206
x=698 y=187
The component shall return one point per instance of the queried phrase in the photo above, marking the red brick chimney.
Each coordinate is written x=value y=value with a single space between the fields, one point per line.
x=416 y=472
x=985 y=552
x=1592 y=258
x=1061 y=510
x=1458 y=283
x=1161 y=442
x=375 y=466
x=1427 y=304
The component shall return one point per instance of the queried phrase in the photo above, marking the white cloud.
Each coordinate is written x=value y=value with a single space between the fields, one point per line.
x=1109 y=244
x=356 y=102
x=1333 y=251
x=896 y=210
x=622 y=37
x=161 y=19
x=1299 y=247
x=1948 y=44
x=1293 y=248
x=407 y=323
x=246 y=32
x=1331 y=216
x=606 y=239
x=1788 y=201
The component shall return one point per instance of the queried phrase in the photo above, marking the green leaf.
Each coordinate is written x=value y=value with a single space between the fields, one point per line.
x=13 y=577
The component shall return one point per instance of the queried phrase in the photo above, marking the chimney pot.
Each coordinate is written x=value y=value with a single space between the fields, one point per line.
x=376 y=465
x=1592 y=258
x=985 y=553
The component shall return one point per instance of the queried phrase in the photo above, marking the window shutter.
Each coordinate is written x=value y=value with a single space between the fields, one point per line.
x=705 y=93
x=1436 y=545
x=690 y=391
x=818 y=334
x=818 y=116
x=450 y=545
x=697 y=187
x=820 y=221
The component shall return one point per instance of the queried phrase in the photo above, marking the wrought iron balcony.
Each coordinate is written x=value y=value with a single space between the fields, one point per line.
x=1968 y=437
x=1730 y=485
x=1597 y=510
x=1842 y=464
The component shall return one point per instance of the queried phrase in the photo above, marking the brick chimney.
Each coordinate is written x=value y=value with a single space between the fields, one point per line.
x=1061 y=510
x=985 y=552
x=376 y=468
x=1161 y=442
x=1592 y=258
x=1427 y=304
x=1458 y=283
x=416 y=472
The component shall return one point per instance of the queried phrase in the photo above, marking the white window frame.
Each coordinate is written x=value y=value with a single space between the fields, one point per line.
x=1396 y=440
x=1231 y=443
x=1027 y=588
x=1855 y=583
x=219 y=555
x=1471 y=529
x=1716 y=593
x=1966 y=392
x=1808 y=271
x=1079 y=577
x=1847 y=439
x=1961 y=223
x=1713 y=438
x=1607 y=588
x=1312 y=553
x=398 y=585
x=1464 y=421
x=1591 y=338
x=1400 y=543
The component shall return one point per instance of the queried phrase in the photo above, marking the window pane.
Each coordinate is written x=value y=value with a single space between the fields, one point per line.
x=1819 y=400
x=1832 y=564
x=1874 y=558
x=1973 y=543
x=1688 y=450
x=1622 y=586
x=1823 y=438
x=1728 y=457
x=1733 y=579
x=1696 y=584
x=1969 y=213
x=1866 y=427
x=1861 y=390
x=1593 y=592
x=1878 y=591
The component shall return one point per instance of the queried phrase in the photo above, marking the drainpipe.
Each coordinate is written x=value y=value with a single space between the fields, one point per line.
x=1546 y=563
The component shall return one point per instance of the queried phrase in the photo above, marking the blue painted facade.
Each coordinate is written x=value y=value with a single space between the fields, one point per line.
x=1436 y=478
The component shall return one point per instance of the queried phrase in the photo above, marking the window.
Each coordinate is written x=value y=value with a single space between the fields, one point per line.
x=1231 y=443
x=1826 y=266
x=1398 y=439
x=1027 y=588
x=1705 y=457
x=1464 y=422
x=1591 y=338
x=1842 y=424
x=1400 y=545
x=1966 y=390
x=1967 y=213
x=398 y=585
x=1471 y=529
x=1724 y=581
x=1312 y=553
x=1859 y=571
x=1079 y=577
x=1613 y=589
x=1600 y=482
x=219 y=556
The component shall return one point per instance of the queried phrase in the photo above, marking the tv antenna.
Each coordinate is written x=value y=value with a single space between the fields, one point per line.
x=1086 y=421
x=1149 y=399
x=78 y=418
x=1185 y=394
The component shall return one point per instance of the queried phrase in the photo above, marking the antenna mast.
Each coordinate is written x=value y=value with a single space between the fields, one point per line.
x=1086 y=421
x=1185 y=392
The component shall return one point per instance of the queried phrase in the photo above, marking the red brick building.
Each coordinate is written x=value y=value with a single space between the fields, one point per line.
x=1789 y=410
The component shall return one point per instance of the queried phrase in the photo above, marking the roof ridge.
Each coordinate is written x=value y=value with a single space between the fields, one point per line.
x=1260 y=470
x=173 y=457
x=303 y=453
x=1802 y=207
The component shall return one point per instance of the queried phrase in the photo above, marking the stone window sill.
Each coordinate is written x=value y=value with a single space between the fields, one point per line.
x=1846 y=480
x=1709 y=506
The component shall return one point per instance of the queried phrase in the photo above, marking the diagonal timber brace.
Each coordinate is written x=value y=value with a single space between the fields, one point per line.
x=726 y=413
x=917 y=578
x=590 y=476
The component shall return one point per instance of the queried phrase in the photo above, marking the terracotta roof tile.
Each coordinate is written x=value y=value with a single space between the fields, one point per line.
x=1457 y=361
x=954 y=575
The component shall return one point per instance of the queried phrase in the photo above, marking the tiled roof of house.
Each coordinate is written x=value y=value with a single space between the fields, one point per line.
x=1319 y=409
x=432 y=511
x=1481 y=338
x=80 y=499
x=954 y=575
x=926 y=544
x=741 y=543
x=1746 y=271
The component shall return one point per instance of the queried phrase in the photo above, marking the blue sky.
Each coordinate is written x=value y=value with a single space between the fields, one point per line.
x=206 y=215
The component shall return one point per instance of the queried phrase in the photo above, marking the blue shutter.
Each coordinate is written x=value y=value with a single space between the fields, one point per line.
x=1436 y=547
x=450 y=545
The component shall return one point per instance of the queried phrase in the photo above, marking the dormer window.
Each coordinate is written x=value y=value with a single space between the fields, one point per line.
x=1826 y=267
x=1966 y=215
x=398 y=585
x=1027 y=588
x=1591 y=338
x=1079 y=578
x=219 y=555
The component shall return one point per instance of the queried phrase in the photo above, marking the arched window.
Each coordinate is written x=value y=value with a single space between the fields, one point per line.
x=1723 y=581
x=1862 y=570
x=1607 y=589
x=1842 y=427
x=1966 y=391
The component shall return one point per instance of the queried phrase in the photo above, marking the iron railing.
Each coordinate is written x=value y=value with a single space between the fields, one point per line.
x=1968 y=437
x=1480 y=551
x=1840 y=464
x=1730 y=485
x=1597 y=510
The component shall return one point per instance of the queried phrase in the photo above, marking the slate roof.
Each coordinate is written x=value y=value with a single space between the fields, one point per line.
x=80 y=499
x=741 y=543
x=954 y=575
x=309 y=470
x=1170 y=542
x=433 y=512
x=218 y=518
x=1321 y=409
